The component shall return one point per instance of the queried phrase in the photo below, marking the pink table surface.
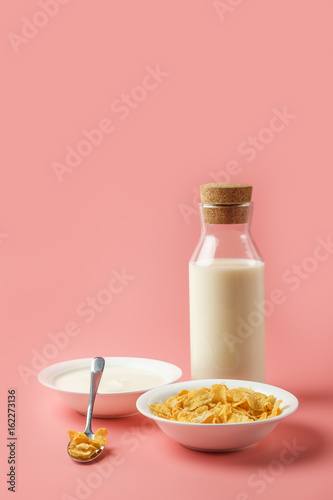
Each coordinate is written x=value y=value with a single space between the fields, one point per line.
x=113 y=114
x=294 y=461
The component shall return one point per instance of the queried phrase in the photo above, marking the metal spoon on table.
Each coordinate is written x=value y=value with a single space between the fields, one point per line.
x=97 y=367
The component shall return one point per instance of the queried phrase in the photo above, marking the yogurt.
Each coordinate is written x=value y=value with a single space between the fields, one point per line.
x=114 y=379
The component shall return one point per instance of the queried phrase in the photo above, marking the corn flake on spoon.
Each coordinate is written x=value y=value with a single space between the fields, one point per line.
x=86 y=446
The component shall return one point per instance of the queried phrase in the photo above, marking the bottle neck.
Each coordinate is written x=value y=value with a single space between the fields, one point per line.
x=225 y=229
x=229 y=240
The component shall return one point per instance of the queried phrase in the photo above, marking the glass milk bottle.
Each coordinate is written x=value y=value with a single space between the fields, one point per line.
x=226 y=272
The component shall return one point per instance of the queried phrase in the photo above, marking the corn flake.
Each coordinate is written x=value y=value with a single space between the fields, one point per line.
x=82 y=447
x=218 y=405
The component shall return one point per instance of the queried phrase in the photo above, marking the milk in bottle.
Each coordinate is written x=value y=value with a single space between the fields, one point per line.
x=226 y=276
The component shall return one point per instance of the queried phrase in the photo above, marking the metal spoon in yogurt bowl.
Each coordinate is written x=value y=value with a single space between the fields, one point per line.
x=97 y=367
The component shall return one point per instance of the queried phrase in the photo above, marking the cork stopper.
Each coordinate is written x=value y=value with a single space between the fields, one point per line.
x=226 y=203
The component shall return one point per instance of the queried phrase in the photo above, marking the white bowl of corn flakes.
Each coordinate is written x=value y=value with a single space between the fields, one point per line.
x=217 y=415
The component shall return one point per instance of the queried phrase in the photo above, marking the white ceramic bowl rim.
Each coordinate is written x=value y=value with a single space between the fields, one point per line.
x=143 y=405
x=170 y=372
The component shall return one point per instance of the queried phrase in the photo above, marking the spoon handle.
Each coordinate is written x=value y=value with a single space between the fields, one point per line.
x=97 y=367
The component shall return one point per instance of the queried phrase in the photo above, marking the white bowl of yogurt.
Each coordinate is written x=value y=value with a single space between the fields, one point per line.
x=124 y=379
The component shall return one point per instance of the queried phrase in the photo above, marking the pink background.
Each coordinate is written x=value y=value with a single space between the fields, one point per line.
x=130 y=204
